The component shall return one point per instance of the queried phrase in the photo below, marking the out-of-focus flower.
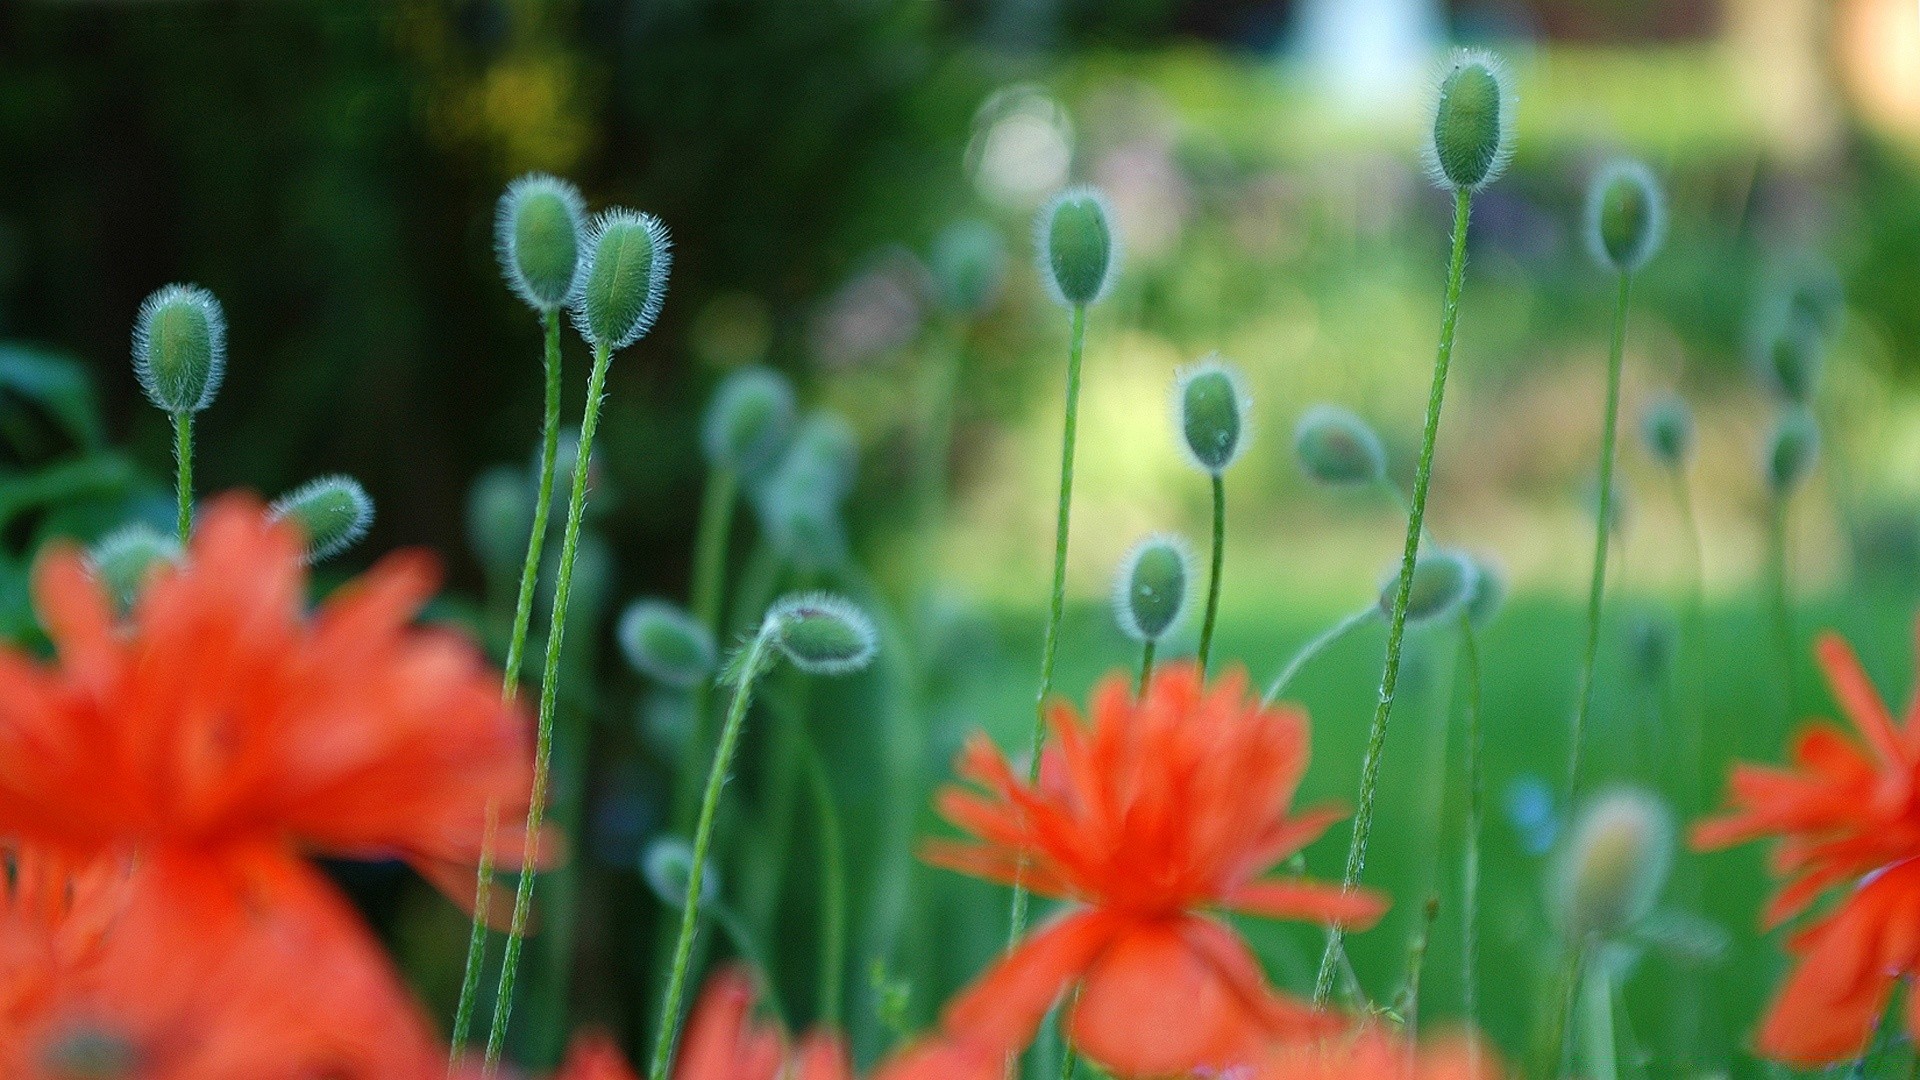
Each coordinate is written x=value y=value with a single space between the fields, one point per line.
x=723 y=1041
x=1371 y=1053
x=1161 y=811
x=1846 y=817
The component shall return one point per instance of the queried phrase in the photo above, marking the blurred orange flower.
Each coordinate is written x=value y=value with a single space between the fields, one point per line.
x=1845 y=815
x=1371 y=1053
x=1162 y=810
x=723 y=1041
x=222 y=724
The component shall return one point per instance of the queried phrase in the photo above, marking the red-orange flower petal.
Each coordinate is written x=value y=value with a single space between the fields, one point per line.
x=1370 y=1053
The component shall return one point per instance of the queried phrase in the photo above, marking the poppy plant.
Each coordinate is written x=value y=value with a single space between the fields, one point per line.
x=1372 y=1053
x=1845 y=817
x=1161 y=812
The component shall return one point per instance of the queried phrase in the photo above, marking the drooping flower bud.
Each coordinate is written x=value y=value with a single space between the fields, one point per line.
x=537 y=232
x=1792 y=450
x=180 y=348
x=822 y=634
x=1612 y=866
x=1338 y=449
x=1150 y=591
x=968 y=261
x=1489 y=591
x=625 y=278
x=665 y=643
x=123 y=558
x=1791 y=359
x=1442 y=581
x=1626 y=216
x=1078 y=252
x=333 y=512
x=1667 y=429
x=749 y=422
x=1211 y=405
x=1472 y=136
x=667 y=864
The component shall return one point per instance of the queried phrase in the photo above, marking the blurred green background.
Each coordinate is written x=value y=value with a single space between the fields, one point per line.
x=329 y=171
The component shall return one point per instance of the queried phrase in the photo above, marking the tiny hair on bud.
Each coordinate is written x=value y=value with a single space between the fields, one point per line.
x=333 y=513
x=1470 y=138
x=124 y=559
x=1212 y=410
x=624 y=283
x=537 y=232
x=667 y=644
x=1078 y=251
x=180 y=348
x=823 y=634
x=1150 y=591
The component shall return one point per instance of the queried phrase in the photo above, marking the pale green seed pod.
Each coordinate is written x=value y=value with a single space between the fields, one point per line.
x=749 y=422
x=1667 y=429
x=968 y=262
x=624 y=283
x=1792 y=451
x=1443 y=580
x=180 y=348
x=537 y=231
x=1612 y=865
x=1791 y=360
x=1471 y=142
x=1626 y=216
x=333 y=513
x=667 y=864
x=667 y=644
x=1489 y=591
x=822 y=634
x=499 y=521
x=1211 y=408
x=1338 y=449
x=1150 y=592
x=1079 y=254
x=124 y=559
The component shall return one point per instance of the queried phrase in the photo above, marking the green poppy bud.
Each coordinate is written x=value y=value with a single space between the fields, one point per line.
x=499 y=521
x=625 y=279
x=1078 y=252
x=1150 y=591
x=1211 y=405
x=667 y=865
x=537 y=229
x=1472 y=137
x=749 y=421
x=1626 y=216
x=1338 y=449
x=1792 y=451
x=968 y=261
x=333 y=512
x=665 y=643
x=1442 y=582
x=1612 y=866
x=1667 y=429
x=1791 y=361
x=1488 y=594
x=180 y=348
x=124 y=558
x=822 y=634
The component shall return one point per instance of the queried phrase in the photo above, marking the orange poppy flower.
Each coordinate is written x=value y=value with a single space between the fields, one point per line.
x=1846 y=817
x=1162 y=811
x=220 y=721
x=723 y=1041
x=1371 y=1053
x=160 y=972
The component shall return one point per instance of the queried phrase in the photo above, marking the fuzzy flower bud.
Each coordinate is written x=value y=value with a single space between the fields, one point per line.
x=499 y=520
x=1150 y=591
x=180 y=348
x=1472 y=135
x=1211 y=404
x=1792 y=451
x=1611 y=868
x=665 y=643
x=1442 y=581
x=123 y=559
x=1488 y=594
x=333 y=512
x=625 y=279
x=1667 y=429
x=822 y=634
x=1338 y=449
x=667 y=865
x=1791 y=360
x=968 y=261
x=1078 y=255
x=749 y=422
x=1626 y=216
x=537 y=229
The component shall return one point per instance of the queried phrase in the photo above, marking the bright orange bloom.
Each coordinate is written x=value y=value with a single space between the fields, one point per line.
x=1847 y=815
x=593 y=1056
x=1160 y=812
x=220 y=723
x=1370 y=1053
x=159 y=972
x=723 y=1041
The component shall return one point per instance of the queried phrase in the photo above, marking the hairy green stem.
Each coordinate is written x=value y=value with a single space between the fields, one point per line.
x=1397 y=620
x=183 y=461
x=702 y=842
x=1017 y=922
x=1314 y=648
x=1213 y=577
x=1602 y=532
x=1146 y=666
x=549 y=684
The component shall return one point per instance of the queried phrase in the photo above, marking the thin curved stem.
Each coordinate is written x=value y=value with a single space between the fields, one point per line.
x=476 y=941
x=702 y=842
x=1314 y=648
x=549 y=684
x=1397 y=619
x=1213 y=578
x=709 y=574
x=1602 y=532
x=1076 y=343
x=833 y=882
x=1146 y=666
x=1470 y=855
x=183 y=462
